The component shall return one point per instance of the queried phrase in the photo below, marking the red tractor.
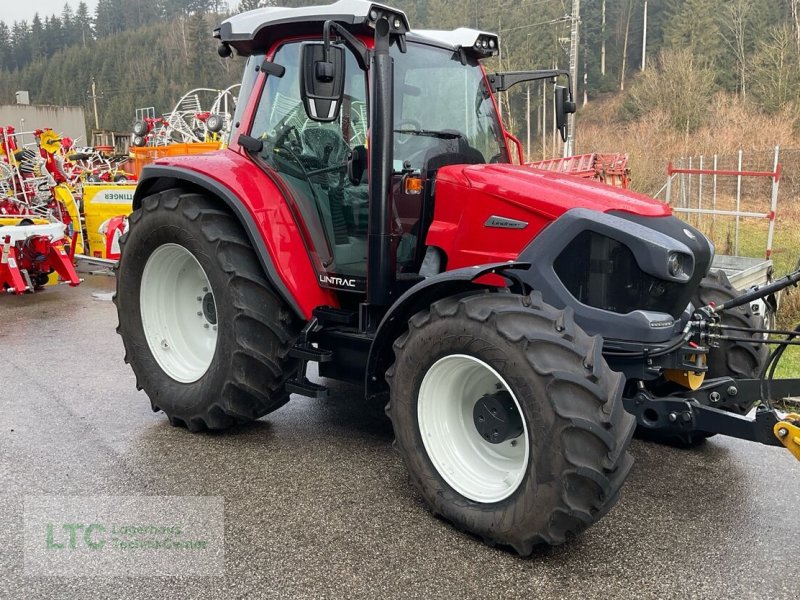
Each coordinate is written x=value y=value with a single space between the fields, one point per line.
x=366 y=216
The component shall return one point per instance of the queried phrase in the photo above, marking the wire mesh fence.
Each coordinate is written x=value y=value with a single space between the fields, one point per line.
x=746 y=202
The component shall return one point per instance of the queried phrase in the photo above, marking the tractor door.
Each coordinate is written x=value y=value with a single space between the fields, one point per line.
x=443 y=115
x=309 y=158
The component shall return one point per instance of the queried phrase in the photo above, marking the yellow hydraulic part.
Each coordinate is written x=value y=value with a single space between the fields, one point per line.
x=64 y=195
x=49 y=141
x=788 y=432
x=17 y=219
x=688 y=379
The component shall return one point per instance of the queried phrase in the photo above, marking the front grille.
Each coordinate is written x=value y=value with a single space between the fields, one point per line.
x=603 y=273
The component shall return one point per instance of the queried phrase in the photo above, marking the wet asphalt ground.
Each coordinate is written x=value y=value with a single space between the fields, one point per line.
x=318 y=505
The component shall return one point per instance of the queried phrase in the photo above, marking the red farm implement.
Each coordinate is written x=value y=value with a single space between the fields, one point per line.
x=611 y=168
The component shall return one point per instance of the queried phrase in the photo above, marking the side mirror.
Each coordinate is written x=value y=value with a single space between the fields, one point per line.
x=563 y=107
x=356 y=164
x=322 y=81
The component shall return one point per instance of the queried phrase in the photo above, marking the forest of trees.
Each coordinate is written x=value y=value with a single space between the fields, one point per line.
x=148 y=52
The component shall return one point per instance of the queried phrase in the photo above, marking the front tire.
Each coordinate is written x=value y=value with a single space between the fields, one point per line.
x=563 y=459
x=203 y=330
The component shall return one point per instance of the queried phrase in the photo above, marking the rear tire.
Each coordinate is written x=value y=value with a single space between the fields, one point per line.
x=576 y=431
x=741 y=360
x=235 y=373
x=730 y=359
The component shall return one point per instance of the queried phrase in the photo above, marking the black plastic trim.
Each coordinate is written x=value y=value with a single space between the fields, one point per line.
x=650 y=246
x=271 y=68
x=420 y=297
x=171 y=177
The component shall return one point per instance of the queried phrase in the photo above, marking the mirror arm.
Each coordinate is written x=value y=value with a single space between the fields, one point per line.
x=500 y=82
x=357 y=46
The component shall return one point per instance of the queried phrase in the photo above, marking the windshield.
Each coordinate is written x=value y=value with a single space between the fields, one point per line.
x=442 y=107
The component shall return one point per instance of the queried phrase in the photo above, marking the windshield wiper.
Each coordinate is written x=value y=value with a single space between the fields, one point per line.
x=442 y=135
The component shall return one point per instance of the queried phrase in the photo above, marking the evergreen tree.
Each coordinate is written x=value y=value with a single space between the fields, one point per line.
x=21 y=45
x=83 y=25
x=37 y=38
x=696 y=27
x=53 y=35
x=106 y=20
x=69 y=29
x=5 y=46
x=199 y=35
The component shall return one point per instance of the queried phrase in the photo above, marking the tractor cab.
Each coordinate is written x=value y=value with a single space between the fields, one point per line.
x=442 y=113
x=354 y=114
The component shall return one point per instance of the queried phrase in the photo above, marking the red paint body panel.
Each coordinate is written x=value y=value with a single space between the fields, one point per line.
x=466 y=196
x=272 y=215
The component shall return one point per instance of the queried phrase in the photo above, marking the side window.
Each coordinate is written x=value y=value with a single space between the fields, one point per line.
x=248 y=81
x=311 y=159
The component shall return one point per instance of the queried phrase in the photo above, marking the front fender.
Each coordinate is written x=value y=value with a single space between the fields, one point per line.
x=420 y=297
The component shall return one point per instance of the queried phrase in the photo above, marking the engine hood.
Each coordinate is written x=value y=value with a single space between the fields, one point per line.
x=547 y=193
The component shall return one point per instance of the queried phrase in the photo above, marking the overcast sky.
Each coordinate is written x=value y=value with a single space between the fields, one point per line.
x=18 y=10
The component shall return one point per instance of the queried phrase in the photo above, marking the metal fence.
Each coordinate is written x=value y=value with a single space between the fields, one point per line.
x=722 y=190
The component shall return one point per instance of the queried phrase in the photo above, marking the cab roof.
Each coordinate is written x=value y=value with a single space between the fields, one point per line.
x=258 y=29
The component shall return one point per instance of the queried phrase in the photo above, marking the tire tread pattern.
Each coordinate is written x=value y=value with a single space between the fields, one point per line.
x=263 y=327
x=731 y=358
x=587 y=444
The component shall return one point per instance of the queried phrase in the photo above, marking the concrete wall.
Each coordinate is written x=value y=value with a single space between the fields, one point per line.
x=64 y=120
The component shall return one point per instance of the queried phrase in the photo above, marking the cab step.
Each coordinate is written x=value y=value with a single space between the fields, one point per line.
x=310 y=353
x=307 y=388
x=336 y=316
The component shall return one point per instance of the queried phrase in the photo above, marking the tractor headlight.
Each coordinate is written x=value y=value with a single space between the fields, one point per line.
x=397 y=19
x=678 y=265
x=486 y=45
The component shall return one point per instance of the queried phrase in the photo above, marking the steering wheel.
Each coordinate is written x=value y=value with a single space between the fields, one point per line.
x=325 y=150
x=314 y=150
x=287 y=136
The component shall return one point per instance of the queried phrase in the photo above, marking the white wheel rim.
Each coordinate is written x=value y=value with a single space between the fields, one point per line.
x=178 y=313
x=479 y=470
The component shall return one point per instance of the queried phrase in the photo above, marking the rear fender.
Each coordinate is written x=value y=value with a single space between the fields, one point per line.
x=299 y=289
x=420 y=297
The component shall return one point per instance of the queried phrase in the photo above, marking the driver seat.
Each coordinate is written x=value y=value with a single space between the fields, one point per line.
x=445 y=154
